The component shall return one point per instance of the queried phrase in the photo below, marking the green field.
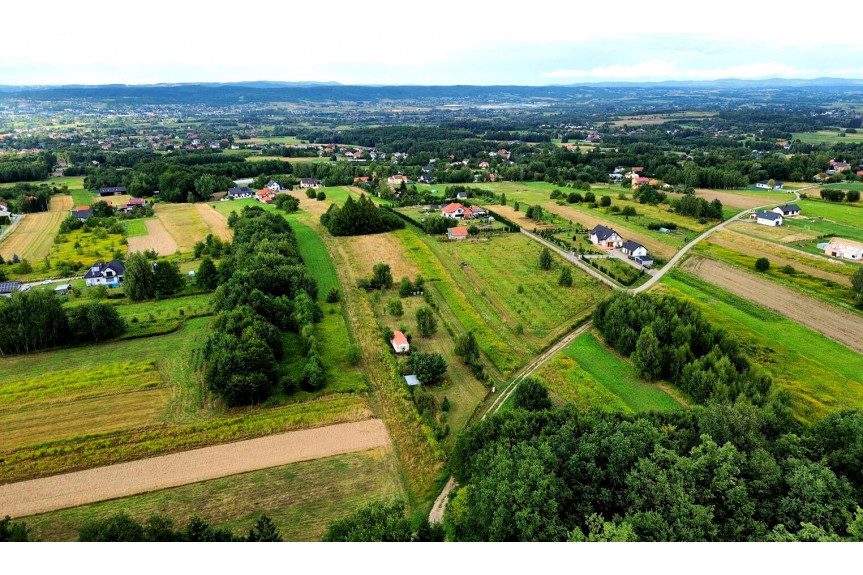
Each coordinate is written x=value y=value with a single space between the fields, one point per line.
x=301 y=498
x=820 y=374
x=827 y=137
x=590 y=375
x=136 y=227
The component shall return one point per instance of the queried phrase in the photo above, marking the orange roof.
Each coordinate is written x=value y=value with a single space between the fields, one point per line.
x=459 y=231
x=79 y=208
x=450 y=208
x=399 y=338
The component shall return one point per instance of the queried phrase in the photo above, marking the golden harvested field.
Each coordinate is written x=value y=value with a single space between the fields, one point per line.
x=113 y=201
x=61 y=204
x=778 y=255
x=732 y=200
x=216 y=221
x=157 y=238
x=837 y=324
x=33 y=236
x=183 y=223
x=661 y=249
x=366 y=251
x=781 y=234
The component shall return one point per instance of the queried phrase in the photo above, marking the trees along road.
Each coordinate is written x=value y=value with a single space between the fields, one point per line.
x=437 y=511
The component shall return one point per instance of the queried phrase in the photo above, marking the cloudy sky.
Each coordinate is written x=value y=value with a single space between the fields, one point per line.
x=445 y=42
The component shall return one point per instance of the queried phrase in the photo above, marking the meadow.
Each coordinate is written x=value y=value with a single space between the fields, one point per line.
x=820 y=374
x=827 y=137
x=301 y=498
x=590 y=375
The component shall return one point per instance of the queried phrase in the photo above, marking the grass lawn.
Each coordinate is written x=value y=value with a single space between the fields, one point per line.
x=821 y=375
x=589 y=374
x=136 y=227
x=301 y=498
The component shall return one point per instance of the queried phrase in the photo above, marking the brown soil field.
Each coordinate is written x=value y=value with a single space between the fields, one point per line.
x=779 y=234
x=184 y=223
x=157 y=238
x=217 y=223
x=124 y=479
x=95 y=415
x=366 y=251
x=311 y=206
x=730 y=199
x=758 y=248
x=655 y=247
x=33 y=236
x=837 y=324
x=61 y=204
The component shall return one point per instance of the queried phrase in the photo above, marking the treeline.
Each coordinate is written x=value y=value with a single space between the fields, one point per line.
x=265 y=290
x=35 y=320
x=722 y=473
x=834 y=195
x=28 y=198
x=156 y=529
x=695 y=207
x=359 y=217
x=26 y=167
x=668 y=338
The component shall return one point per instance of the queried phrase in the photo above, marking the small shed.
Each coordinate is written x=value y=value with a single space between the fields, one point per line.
x=400 y=342
x=63 y=289
x=412 y=380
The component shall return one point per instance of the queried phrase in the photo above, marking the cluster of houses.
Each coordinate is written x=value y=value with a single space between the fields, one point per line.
x=108 y=274
x=4 y=210
x=458 y=211
x=84 y=212
x=775 y=216
x=606 y=237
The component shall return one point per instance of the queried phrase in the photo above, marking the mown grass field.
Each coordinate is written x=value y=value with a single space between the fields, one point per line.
x=136 y=228
x=820 y=374
x=827 y=137
x=183 y=223
x=590 y=375
x=301 y=498
x=32 y=238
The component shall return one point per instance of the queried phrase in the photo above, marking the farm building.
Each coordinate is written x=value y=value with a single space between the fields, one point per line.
x=633 y=249
x=82 y=212
x=763 y=184
x=458 y=233
x=112 y=191
x=606 y=237
x=639 y=181
x=840 y=166
x=102 y=273
x=787 y=210
x=400 y=342
x=310 y=183
x=6 y=288
x=240 y=193
x=768 y=218
x=846 y=249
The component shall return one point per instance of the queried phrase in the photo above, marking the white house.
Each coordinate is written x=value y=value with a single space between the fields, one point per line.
x=310 y=183
x=400 y=342
x=102 y=273
x=397 y=180
x=276 y=186
x=633 y=249
x=606 y=237
x=846 y=249
x=240 y=193
x=764 y=185
x=787 y=210
x=768 y=219
x=4 y=210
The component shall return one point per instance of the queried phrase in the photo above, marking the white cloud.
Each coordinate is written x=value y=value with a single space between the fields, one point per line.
x=664 y=70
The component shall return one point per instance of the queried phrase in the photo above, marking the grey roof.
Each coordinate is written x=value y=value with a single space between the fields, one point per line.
x=428 y=168
x=113 y=190
x=602 y=232
x=788 y=208
x=644 y=260
x=426 y=178
x=775 y=182
x=82 y=213
x=9 y=287
x=239 y=191
x=114 y=265
x=412 y=380
x=631 y=246
x=773 y=216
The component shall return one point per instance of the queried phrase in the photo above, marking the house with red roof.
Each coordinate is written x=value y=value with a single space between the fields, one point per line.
x=457 y=233
x=400 y=342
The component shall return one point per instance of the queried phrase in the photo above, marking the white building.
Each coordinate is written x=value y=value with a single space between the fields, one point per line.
x=768 y=219
x=846 y=249
x=400 y=342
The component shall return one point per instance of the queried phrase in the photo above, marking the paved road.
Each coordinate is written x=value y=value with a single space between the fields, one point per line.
x=437 y=511
x=144 y=475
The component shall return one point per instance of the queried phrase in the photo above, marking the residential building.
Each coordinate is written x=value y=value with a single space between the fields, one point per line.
x=768 y=218
x=310 y=183
x=605 y=237
x=633 y=249
x=763 y=184
x=112 y=191
x=102 y=273
x=846 y=249
x=82 y=212
x=275 y=186
x=459 y=233
x=397 y=179
x=787 y=210
x=240 y=193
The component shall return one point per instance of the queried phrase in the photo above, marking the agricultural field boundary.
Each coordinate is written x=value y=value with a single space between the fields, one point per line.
x=145 y=475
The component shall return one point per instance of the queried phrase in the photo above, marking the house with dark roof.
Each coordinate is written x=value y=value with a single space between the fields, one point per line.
x=763 y=184
x=428 y=169
x=101 y=273
x=112 y=191
x=240 y=193
x=276 y=186
x=768 y=218
x=633 y=249
x=426 y=179
x=82 y=212
x=310 y=183
x=6 y=288
x=787 y=210
x=606 y=237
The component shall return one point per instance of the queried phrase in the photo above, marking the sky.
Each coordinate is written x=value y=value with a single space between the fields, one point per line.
x=529 y=42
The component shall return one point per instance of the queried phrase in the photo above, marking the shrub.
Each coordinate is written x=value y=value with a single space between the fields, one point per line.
x=394 y=307
x=545 y=259
x=762 y=264
x=426 y=322
x=333 y=295
x=531 y=395
x=565 y=278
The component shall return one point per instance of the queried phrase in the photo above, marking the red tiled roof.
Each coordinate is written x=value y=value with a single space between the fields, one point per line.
x=459 y=231
x=451 y=208
x=79 y=208
x=399 y=338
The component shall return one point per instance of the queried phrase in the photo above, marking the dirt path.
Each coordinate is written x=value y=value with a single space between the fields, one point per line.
x=217 y=222
x=837 y=324
x=157 y=238
x=124 y=479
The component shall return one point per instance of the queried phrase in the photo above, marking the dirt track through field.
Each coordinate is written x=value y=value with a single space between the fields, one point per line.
x=216 y=221
x=157 y=238
x=837 y=324
x=124 y=479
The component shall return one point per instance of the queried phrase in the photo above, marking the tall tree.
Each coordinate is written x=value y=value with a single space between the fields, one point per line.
x=139 y=282
x=426 y=322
